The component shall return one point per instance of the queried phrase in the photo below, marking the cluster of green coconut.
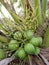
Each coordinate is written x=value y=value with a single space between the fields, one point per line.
x=23 y=44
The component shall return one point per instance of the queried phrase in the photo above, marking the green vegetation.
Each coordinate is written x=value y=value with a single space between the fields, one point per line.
x=2 y=54
x=19 y=32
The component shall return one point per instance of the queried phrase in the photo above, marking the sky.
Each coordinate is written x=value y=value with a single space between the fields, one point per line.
x=5 y=12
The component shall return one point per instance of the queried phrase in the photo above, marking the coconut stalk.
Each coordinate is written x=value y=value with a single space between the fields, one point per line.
x=30 y=60
x=44 y=4
x=37 y=7
x=46 y=39
x=7 y=60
